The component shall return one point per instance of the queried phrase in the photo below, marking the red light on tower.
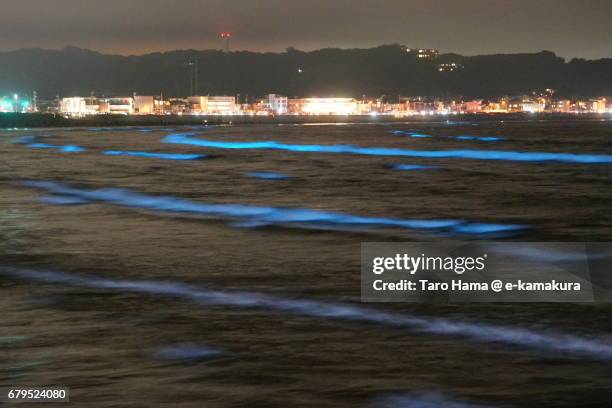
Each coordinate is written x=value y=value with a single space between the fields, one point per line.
x=225 y=36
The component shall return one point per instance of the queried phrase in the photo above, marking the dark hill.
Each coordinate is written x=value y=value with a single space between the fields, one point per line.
x=385 y=70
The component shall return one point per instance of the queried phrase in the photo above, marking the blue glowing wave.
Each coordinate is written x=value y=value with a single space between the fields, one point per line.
x=258 y=215
x=410 y=167
x=411 y=134
x=59 y=148
x=163 y=156
x=63 y=200
x=186 y=352
x=111 y=129
x=25 y=140
x=583 y=158
x=480 y=138
x=423 y=400
x=563 y=344
x=265 y=175
x=31 y=142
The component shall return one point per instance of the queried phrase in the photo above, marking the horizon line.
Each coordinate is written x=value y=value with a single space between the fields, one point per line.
x=168 y=51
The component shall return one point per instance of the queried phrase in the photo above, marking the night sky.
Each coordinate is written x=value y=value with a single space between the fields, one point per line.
x=571 y=28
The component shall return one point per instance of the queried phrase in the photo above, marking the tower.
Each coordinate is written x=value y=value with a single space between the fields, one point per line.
x=226 y=36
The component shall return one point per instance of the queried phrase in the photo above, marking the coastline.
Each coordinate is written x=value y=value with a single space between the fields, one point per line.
x=19 y=120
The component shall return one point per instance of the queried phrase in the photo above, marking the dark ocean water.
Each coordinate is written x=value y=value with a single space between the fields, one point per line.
x=140 y=273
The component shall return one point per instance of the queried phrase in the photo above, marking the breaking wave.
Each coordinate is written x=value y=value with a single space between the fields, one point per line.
x=423 y=400
x=261 y=215
x=32 y=143
x=150 y=155
x=265 y=175
x=186 y=352
x=411 y=134
x=410 y=167
x=480 y=138
x=583 y=158
x=563 y=344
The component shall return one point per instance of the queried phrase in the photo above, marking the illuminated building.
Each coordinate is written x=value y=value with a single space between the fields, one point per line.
x=277 y=104
x=422 y=106
x=120 y=106
x=7 y=104
x=213 y=105
x=533 y=106
x=366 y=107
x=177 y=106
x=16 y=104
x=449 y=67
x=198 y=104
x=78 y=106
x=564 y=106
x=221 y=105
x=329 y=106
x=144 y=105
x=598 y=105
x=473 y=106
x=423 y=53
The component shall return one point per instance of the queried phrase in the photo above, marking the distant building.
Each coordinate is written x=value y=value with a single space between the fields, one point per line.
x=449 y=67
x=532 y=106
x=144 y=105
x=8 y=104
x=421 y=105
x=277 y=104
x=221 y=105
x=473 y=106
x=78 y=106
x=423 y=53
x=563 y=106
x=598 y=105
x=213 y=105
x=500 y=106
x=48 y=106
x=198 y=104
x=177 y=106
x=120 y=106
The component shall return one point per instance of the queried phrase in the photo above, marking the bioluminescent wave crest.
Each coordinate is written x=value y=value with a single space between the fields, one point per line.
x=265 y=175
x=63 y=200
x=411 y=167
x=480 y=138
x=59 y=148
x=477 y=138
x=186 y=352
x=411 y=134
x=150 y=155
x=563 y=344
x=260 y=215
x=25 y=140
x=423 y=400
x=32 y=143
x=110 y=129
x=582 y=158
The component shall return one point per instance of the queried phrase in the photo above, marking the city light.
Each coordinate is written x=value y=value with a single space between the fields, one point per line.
x=329 y=106
x=274 y=104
